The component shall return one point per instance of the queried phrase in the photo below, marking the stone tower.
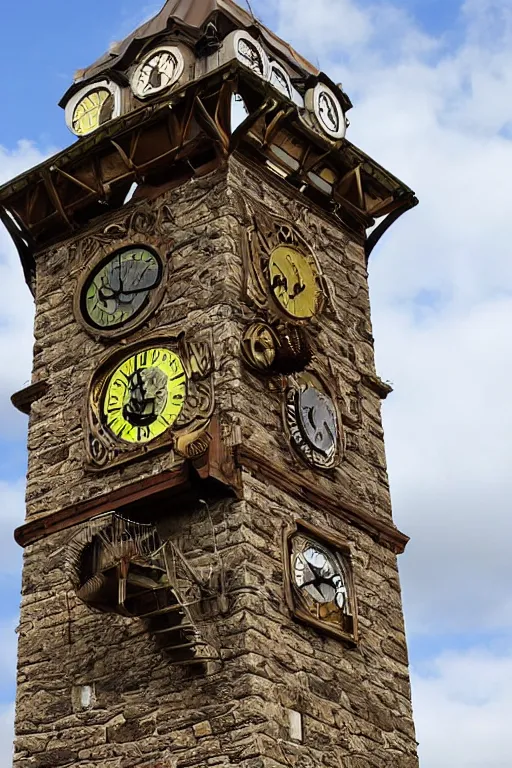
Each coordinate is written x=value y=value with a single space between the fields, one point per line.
x=210 y=572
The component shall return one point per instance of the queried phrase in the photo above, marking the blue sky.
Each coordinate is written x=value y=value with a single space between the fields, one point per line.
x=432 y=85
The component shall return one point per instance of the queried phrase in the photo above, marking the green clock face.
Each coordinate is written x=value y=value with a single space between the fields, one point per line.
x=120 y=288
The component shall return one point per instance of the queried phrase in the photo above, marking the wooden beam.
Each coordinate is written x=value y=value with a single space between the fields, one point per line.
x=306 y=491
x=62 y=519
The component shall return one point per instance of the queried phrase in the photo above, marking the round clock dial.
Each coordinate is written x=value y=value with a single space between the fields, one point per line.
x=120 y=288
x=294 y=281
x=329 y=112
x=157 y=71
x=252 y=55
x=94 y=109
x=145 y=395
x=319 y=576
x=313 y=422
x=317 y=420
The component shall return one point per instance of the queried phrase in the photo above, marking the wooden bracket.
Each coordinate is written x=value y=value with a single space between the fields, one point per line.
x=24 y=399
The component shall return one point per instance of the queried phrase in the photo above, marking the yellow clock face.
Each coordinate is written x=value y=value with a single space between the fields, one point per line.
x=145 y=395
x=96 y=108
x=294 y=281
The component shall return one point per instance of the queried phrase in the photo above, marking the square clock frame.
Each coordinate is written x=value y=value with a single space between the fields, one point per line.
x=319 y=584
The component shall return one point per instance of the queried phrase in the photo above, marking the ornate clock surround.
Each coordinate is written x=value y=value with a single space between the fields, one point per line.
x=265 y=235
x=187 y=436
x=269 y=243
x=101 y=253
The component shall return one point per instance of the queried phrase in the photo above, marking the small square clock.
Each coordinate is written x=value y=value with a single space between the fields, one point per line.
x=319 y=585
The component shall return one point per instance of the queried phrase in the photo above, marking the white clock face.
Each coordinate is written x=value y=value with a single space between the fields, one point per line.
x=252 y=55
x=329 y=112
x=157 y=71
x=279 y=78
x=318 y=574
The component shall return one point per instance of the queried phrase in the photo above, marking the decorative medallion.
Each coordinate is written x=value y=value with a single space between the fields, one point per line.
x=313 y=422
x=250 y=53
x=282 y=274
x=119 y=289
x=92 y=107
x=319 y=585
x=156 y=393
x=327 y=110
x=259 y=347
x=157 y=71
x=275 y=349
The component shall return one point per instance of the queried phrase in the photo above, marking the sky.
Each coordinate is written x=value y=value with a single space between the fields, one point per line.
x=431 y=82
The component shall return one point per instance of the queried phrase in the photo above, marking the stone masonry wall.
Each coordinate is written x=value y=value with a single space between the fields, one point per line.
x=202 y=234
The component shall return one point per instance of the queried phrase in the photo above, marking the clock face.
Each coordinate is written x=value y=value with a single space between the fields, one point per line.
x=319 y=576
x=317 y=420
x=93 y=109
x=157 y=71
x=145 y=395
x=313 y=422
x=329 y=112
x=294 y=282
x=280 y=80
x=252 y=55
x=120 y=288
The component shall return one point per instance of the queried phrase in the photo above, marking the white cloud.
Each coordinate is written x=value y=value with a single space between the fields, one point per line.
x=325 y=25
x=463 y=708
x=6 y=735
x=12 y=514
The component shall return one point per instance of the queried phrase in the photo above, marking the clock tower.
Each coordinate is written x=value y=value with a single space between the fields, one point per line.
x=210 y=561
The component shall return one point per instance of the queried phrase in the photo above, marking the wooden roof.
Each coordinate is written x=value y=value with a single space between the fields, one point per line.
x=192 y=16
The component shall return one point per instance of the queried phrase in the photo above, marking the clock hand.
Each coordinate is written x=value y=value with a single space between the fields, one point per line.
x=280 y=281
x=297 y=290
x=155 y=78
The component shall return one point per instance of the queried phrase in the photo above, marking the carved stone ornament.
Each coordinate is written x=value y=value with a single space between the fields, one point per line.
x=281 y=348
x=313 y=421
x=124 y=270
x=157 y=393
x=282 y=274
x=319 y=584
